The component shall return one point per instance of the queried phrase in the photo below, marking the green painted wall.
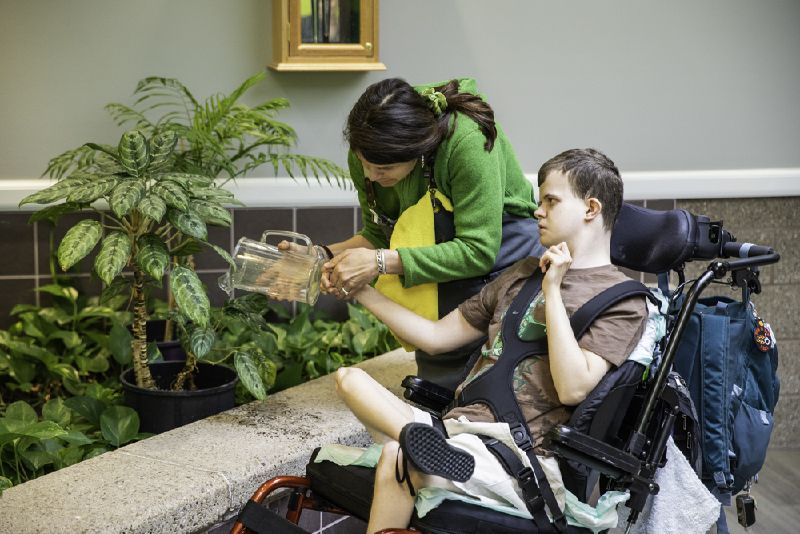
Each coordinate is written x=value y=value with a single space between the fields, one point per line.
x=658 y=85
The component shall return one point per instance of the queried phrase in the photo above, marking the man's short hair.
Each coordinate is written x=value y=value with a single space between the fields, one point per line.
x=590 y=174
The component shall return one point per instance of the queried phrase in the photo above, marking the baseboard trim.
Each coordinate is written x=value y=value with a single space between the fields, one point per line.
x=648 y=185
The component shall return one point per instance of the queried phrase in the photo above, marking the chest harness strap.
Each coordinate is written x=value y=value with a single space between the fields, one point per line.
x=494 y=388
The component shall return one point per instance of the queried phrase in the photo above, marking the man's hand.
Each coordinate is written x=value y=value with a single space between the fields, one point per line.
x=555 y=262
x=349 y=271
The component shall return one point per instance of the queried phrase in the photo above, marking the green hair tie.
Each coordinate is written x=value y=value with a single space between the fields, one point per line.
x=435 y=100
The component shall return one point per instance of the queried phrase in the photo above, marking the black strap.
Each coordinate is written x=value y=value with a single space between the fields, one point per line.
x=385 y=222
x=262 y=520
x=494 y=387
x=536 y=491
x=586 y=314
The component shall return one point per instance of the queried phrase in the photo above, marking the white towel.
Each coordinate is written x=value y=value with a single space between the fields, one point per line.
x=683 y=504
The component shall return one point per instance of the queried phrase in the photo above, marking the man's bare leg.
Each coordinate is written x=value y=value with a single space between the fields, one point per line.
x=374 y=405
x=392 y=503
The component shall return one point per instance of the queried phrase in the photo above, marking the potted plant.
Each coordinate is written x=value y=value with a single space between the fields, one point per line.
x=159 y=182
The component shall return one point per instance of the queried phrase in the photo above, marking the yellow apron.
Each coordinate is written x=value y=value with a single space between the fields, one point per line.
x=414 y=228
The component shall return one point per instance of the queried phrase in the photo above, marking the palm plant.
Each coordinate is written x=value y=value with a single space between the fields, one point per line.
x=219 y=137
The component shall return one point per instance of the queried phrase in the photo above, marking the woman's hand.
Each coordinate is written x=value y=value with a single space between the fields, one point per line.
x=555 y=262
x=349 y=271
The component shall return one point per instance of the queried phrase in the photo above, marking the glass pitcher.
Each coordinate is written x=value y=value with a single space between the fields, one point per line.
x=279 y=274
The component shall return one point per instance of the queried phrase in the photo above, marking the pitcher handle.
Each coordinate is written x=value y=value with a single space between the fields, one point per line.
x=286 y=233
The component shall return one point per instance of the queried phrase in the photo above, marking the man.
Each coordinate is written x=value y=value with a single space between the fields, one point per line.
x=580 y=195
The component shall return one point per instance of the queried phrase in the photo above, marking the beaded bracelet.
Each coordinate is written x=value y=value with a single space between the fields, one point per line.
x=381 y=261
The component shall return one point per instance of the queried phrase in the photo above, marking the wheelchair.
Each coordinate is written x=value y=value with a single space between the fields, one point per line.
x=615 y=439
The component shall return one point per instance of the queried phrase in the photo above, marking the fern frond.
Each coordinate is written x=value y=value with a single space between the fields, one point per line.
x=77 y=159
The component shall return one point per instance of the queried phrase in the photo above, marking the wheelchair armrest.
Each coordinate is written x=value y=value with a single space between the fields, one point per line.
x=427 y=394
x=573 y=445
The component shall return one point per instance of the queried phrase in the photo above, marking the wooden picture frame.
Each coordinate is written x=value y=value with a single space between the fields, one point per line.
x=290 y=53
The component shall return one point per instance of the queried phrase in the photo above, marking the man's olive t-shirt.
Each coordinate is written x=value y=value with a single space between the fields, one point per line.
x=613 y=336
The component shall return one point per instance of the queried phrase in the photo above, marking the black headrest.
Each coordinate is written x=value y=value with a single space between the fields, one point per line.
x=653 y=241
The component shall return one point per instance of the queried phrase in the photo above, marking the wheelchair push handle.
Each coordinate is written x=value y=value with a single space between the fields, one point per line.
x=745 y=250
x=748 y=254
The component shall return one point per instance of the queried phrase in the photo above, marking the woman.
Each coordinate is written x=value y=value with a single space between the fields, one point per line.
x=404 y=140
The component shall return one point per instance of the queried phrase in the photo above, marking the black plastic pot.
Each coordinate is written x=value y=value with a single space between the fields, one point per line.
x=161 y=409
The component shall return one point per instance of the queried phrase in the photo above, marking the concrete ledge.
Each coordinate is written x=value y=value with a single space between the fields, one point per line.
x=199 y=475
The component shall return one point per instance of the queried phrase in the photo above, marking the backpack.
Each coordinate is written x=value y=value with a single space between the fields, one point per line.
x=729 y=358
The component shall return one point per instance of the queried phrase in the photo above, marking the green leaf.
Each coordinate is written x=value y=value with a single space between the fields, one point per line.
x=173 y=194
x=119 y=343
x=96 y=451
x=161 y=146
x=201 y=340
x=185 y=180
x=97 y=311
x=58 y=190
x=92 y=190
x=153 y=207
x=76 y=438
x=126 y=195
x=24 y=371
x=365 y=341
x=65 y=371
x=248 y=373
x=96 y=364
x=78 y=242
x=133 y=152
x=188 y=223
x=115 y=252
x=224 y=253
x=107 y=163
x=152 y=255
x=5 y=484
x=213 y=194
x=68 y=456
x=56 y=411
x=53 y=213
x=37 y=459
x=119 y=424
x=71 y=339
x=190 y=295
x=87 y=407
x=42 y=430
x=57 y=290
x=268 y=370
x=21 y=411
x=154 y=353
x=212 y=213
x=187 y=248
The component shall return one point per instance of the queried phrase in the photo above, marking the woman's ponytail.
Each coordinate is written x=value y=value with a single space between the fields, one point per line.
x=473 y=107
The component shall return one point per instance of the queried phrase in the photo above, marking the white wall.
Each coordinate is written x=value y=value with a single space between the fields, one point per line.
x=658 y=85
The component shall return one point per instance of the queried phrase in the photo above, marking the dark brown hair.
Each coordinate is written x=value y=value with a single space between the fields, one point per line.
x=391 y=122
x=591 y=174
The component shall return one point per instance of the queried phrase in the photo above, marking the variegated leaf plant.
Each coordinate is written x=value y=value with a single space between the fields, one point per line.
x=156 y=215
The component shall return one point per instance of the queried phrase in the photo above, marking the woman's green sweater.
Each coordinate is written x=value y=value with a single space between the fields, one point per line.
x=482 y=186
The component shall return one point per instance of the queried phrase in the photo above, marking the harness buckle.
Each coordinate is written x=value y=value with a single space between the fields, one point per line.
x=521 y=437
x=530 y=490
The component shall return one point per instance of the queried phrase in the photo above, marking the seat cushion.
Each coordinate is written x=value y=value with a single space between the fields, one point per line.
x=350 y=488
